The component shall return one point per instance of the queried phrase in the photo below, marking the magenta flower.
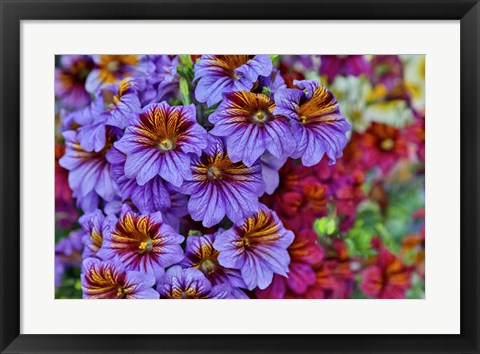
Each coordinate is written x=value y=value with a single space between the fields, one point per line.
x=220 y=187
x=258 y=248
x=354 y=65
x=161 y=141
x=250 y=127
x=110 y=280
x=143 y=243
x=219 y=74
x=318 y=126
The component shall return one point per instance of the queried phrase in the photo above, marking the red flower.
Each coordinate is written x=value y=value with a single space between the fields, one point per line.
x=387 y=277
x=383 y=146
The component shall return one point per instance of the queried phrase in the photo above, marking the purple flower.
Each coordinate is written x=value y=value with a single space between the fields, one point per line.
x=354 y=65
x=112 y=68
x=68 y=253
x=189 y=283
x=70 y=80
x=110 y=280
x=161 y=80
x=89 y=171
x=269 y=84
x=143 y=242
x=201 y=255
x=220 y=187
x=270 y=167
x=219 y=74
x=250 y=127
x=125 y=103
x=83 y=116
x=96 y=227
x=151 y=197
x=318 y=126
x=258 y=248
x=161 y=141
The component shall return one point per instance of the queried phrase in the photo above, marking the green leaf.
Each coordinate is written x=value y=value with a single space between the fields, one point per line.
x=185 y=91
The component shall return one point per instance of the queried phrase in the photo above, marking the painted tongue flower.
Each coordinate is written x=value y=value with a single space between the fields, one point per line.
x=318 y=126
x=201 y=255
x=189 y=283
x=383 y=145
x=143 y=242
x=258 y=248
x=250 y=127
x=333 y=65
x=96 y=226
x=70 y=80
x=110 y=69
x=89 y=170
x=110 y=280
x=219 y=187
x=124 y=102
x=387 y=277
x=219 y=74
x=304 y=253
x=161 y=141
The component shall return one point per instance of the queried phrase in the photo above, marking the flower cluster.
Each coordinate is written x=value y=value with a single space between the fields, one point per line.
x=238 y=176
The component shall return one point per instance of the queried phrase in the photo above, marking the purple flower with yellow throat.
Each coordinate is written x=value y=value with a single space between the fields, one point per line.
x=258 y=248
x=318 y=126
x=125 y=103
x=188 y=283
x=220 y=187
x=70 y=80
x=112 y=68
x=219 y=74
x=200 y=254
x=95 y=226
x=143 y=242
x=111 y=280
x=161 y=141
x=89 y=171
x=250 y=127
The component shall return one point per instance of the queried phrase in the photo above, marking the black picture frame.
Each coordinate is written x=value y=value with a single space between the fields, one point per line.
x=14 y=11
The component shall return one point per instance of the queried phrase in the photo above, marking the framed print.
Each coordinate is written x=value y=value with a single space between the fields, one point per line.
x=277 y=176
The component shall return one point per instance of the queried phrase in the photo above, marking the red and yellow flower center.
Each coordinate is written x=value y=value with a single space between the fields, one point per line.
x=112 y=66
x=322 y=107
x=262 y=228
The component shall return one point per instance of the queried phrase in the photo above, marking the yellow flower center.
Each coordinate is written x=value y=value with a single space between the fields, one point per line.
x=121 y=293
x=207 y=266
x=145 y=246
x=387 y=144
x=113 y=66
x=260 y=117
x=214 y=173
x=166 y=145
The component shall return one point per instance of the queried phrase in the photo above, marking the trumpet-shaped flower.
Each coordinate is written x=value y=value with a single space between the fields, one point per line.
x=318 y=126
x=258 y=248
x=250 y=127
x=161 y=141
x=111 y=280
x=220 y=187
x=143 y=243
x=219 y=74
